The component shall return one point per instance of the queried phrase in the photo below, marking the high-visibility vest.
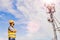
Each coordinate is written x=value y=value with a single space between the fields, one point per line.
x=11 y=34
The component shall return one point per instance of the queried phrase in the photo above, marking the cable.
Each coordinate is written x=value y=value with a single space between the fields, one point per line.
x=57 y=20
x=58 y=28
x=56 y=24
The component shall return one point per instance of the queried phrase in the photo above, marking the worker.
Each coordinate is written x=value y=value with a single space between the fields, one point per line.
x=11 y=31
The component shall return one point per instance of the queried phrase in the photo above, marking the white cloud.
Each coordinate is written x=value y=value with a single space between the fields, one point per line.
x=4 y=36
x=33 y=26
x=34 y=36
x=6 y=5
x=30 y=8
x=15 y=13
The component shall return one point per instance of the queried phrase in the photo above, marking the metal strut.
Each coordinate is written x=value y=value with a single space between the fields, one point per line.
x=54 y=29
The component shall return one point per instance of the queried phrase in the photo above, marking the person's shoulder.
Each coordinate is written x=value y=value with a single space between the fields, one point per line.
x=9 y=26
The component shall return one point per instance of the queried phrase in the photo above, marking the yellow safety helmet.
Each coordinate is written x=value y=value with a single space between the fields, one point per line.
x=11 y=21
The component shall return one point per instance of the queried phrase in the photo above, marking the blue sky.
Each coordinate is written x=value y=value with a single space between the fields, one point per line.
x=30 y=19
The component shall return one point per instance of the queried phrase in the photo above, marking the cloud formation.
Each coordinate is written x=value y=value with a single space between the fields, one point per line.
x=30 y=12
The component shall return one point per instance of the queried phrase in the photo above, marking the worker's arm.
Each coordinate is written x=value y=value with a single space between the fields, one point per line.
x=12 y=29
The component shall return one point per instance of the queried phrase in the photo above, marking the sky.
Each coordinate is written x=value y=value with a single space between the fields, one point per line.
x=30 y=18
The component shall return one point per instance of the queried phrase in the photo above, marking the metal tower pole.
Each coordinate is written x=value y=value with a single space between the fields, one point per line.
x=51 y=9
x=54 y=29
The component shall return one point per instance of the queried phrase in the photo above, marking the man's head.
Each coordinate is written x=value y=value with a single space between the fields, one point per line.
x=11 y=22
